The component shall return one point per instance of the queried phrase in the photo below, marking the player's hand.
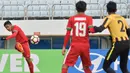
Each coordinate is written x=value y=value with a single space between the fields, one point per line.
x=63 y=51
x=3 y=38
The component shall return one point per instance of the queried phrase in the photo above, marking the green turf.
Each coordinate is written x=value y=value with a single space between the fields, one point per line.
x=50 y=61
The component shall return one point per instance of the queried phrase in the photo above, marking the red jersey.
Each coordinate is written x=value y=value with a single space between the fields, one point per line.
x=79 y=24
x=18 y=34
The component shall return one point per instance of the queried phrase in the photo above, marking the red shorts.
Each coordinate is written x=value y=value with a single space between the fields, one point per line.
x=26 y=49
x=75 y=51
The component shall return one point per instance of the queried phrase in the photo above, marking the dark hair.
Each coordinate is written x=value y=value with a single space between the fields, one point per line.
x=7 y=23
x=81 y=6
x=111 y=7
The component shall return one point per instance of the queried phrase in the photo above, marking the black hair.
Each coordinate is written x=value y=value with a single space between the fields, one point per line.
x=81 y=6
x=7 y=23
x=111 y=7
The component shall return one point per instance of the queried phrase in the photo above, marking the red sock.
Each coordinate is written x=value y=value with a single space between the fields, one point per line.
x=87 y=70
x=30 y=64
x=64 y=70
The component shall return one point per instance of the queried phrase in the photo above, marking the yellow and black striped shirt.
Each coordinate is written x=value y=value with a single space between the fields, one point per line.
x=117 y=27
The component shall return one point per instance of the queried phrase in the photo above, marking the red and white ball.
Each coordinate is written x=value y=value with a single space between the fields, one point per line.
x=34 y=39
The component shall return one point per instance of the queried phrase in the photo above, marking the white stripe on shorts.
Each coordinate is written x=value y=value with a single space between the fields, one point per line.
x=66 y=55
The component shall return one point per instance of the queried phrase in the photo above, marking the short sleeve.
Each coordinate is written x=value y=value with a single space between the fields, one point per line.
x=126 y=24
x=106 y=22
x=69 y=25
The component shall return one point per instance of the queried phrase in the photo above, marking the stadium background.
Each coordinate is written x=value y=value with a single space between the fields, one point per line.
x=49 y=17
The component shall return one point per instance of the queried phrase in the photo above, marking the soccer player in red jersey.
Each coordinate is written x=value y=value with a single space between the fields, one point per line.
x=20 y=38
x=81 y=25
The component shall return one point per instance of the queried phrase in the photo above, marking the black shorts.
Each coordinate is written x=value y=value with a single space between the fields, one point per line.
x=117 y=49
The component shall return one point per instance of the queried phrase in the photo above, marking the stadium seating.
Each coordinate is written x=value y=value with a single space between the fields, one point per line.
x=56 y=8
x=34 y=10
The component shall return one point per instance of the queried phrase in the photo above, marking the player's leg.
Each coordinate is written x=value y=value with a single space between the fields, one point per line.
x=124 y=60
x=110 y=57
x=85 y=57
x=70 y=59
x=30 y=64
x=19 y=47
x=65 y=68
x=26 y=54
x=87 y=69
x=106 y=66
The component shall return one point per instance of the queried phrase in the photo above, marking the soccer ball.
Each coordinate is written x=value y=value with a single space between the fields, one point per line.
x=34 y=39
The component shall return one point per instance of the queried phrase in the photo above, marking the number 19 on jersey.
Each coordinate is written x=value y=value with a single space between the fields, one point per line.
x=80 y=29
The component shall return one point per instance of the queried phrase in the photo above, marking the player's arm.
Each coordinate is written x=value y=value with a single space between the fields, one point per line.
x=127 y=28
x=15 y=32
x=90 y=26
x=103 y=26
x=66 y=39
x=67 y=36
x=128 y=32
